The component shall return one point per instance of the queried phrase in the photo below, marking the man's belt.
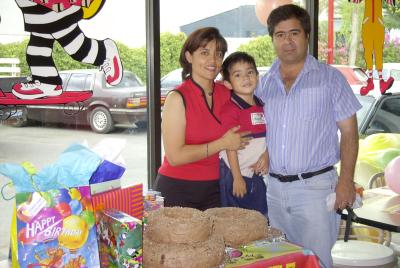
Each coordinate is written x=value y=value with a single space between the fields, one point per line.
x=290 y=178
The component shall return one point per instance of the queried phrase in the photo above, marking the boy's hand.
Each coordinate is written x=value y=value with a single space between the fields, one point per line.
x=261 y=166
x=239 y=187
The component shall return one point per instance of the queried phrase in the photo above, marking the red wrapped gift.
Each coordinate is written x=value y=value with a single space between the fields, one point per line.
x=128 y=200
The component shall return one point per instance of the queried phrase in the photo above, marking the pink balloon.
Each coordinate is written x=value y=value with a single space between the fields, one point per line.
x=392 y=175
x=264 y=8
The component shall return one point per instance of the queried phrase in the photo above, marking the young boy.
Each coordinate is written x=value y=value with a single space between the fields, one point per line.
x=241 y=181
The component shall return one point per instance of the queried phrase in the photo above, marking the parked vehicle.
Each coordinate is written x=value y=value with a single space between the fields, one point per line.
x=123 y=105
x=355 y=76
x=379 y=113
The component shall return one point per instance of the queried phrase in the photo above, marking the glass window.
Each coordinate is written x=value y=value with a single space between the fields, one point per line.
x=172 y=79
x=128 y=80
x=340 y=38
x=366 y=105
x=387 y=117
x=76 y=82
x=40 y=131
x=395 y=74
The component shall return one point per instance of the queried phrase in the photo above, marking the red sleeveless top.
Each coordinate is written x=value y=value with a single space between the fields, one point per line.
x=202 y=126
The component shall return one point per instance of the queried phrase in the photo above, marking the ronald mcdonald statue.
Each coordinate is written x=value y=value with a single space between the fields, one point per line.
x=373 y=37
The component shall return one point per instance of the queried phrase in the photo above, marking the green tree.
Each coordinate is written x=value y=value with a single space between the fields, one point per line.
x=262 y=49
x=170 y=48
x=391 y=53
x=16 y=50
x=392 y=16
x=134 y=60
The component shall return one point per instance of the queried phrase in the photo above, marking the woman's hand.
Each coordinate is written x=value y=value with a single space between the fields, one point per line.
x=234 y=140
x=239 y=187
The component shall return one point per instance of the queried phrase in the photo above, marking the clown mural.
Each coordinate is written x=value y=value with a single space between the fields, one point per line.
x=373 y=37
x=57 y=20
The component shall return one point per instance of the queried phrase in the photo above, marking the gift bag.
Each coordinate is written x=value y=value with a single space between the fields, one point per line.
x=55 y=228
x=54 y=213
x=128 y=200
x=106 y=177
x=14 y=241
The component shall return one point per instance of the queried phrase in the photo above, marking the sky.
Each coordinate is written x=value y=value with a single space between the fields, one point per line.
x=124 y=20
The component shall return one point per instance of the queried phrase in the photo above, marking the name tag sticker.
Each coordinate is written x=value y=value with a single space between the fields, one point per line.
x=257 y=119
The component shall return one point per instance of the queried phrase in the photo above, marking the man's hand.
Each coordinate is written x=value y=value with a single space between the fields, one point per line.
x=262 y=165
x=345 y=193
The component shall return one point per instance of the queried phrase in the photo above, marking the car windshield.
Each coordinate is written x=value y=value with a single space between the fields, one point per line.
x=129 y=80
x=172 y=79
x=366 y=102
x=361 y=75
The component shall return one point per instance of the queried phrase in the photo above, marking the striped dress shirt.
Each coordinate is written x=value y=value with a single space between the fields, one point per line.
x=302 y=125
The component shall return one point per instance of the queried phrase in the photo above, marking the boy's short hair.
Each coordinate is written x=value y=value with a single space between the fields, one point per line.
x=234 y=58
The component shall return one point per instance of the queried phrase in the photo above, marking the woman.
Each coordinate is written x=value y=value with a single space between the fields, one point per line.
x=191 y=129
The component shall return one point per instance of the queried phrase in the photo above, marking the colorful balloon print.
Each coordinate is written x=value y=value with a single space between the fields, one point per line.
x=75 y=194
x=392 y=175
x=74 y=233
x=88 y=217
x=64 y=209
x=76 y=207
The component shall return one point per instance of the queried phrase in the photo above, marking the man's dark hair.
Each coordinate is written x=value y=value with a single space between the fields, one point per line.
x=235 y=58
x=200 y=38
x=286 y=12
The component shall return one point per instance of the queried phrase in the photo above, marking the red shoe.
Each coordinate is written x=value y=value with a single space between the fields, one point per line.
x=365 y=89
x=112 y=66
x=386 y=85
x=35 y=90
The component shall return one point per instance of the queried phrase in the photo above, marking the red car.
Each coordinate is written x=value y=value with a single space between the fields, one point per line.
x=355 y=76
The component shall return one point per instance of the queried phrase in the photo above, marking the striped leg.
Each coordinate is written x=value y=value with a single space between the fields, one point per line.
x=45 y=79
x=99 y=53
x=80 y=47
x=40 y=61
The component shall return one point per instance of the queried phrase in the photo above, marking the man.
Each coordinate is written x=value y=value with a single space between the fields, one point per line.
x=306 y=102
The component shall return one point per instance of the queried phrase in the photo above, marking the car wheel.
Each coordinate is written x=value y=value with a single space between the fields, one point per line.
x=21 y=120
x=101 y=121
x=141 y=124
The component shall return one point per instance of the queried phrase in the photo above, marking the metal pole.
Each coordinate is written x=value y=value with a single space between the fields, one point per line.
x=153 y=90
x=312 y=8
x=330 y=31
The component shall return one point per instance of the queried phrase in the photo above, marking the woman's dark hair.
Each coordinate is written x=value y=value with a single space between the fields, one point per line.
x=286 y=12
x=235 y=58
x=200 y=38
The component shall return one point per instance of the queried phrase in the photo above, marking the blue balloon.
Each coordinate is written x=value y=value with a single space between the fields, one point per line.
x=76 y=207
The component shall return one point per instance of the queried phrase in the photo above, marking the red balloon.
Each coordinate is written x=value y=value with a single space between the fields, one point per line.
x=23 y=239
x=264 y=8
x=64 y=209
